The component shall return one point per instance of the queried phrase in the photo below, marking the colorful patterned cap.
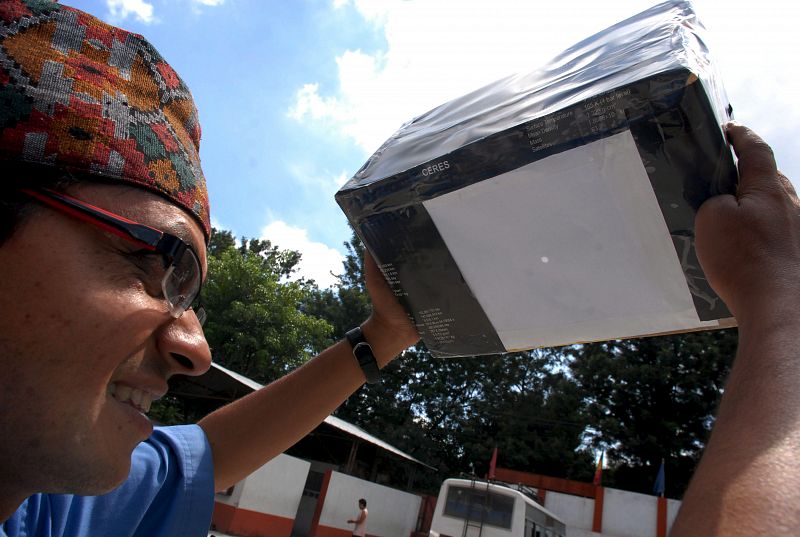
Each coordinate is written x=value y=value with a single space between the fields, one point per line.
x=86 y=97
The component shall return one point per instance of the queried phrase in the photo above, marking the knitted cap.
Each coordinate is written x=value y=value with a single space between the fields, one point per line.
x=87 y=97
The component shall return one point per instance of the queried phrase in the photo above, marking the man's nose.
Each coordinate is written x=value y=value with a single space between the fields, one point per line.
x=183 y=345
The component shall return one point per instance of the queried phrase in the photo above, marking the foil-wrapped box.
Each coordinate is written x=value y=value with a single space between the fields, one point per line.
x=557 y=206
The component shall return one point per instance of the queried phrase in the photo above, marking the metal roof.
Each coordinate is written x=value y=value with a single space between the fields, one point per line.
x=215 y=383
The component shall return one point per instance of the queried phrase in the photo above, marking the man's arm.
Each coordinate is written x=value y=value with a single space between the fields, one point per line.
x=249 y=432
x=748 y=481
x=360 y=518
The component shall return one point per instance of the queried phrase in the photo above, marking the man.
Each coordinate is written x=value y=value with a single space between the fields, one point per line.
x=103 y=233
x=103 y=250
x=360 y=527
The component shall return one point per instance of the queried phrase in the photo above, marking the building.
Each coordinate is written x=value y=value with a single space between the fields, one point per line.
x=595 y=511
x=312 y=488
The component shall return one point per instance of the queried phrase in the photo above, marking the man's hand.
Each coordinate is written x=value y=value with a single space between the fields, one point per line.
x=749 y=244
x=749 y=247
x=389 y=329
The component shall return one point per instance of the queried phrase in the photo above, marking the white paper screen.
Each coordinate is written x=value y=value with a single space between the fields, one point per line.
x=569 y=248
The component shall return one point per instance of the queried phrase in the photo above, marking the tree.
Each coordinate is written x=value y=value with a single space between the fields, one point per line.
x=256 y=324
x=652 y=398
x=347 y=304
x=540 y=427
x=519 y=402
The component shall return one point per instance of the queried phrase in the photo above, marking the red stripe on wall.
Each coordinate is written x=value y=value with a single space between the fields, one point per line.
x=222 y=516
x=555 y=484
x=229 y=519
x=327 y=531
x=597 y=521
x=426 y=508
x=661 y=520
x=326 y=480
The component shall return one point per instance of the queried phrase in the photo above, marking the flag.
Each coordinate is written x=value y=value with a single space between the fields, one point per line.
x=658 y=486
x=598 y=473
x=493 y=463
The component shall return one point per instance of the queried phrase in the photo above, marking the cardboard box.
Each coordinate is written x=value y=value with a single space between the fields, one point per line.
x=558 y=206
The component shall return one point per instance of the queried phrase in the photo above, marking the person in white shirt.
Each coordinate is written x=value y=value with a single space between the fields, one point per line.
x=360 y=529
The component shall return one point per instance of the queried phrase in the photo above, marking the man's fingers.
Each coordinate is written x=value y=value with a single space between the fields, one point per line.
x=757 y=168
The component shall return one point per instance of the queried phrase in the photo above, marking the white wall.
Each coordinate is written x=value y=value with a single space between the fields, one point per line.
x=572 y=531
x=574 y=511
x=392 y=513
x=276 y=487
x=672 y=511
x=625 y=514
x=628 y=514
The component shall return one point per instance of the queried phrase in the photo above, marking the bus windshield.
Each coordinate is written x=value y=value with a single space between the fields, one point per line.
x=479 y=506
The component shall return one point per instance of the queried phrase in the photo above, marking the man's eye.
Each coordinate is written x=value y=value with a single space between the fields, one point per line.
x=151 y=267
x=146 y=259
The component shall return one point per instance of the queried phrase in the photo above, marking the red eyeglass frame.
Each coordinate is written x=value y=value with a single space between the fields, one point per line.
x=171 y=247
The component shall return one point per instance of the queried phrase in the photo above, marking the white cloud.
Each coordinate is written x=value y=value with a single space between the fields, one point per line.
x=318 y=260
x=341 y=179
x=120 y=10
x=309 y=103
x=439 y=49
x=210 y=2
x=320 y=185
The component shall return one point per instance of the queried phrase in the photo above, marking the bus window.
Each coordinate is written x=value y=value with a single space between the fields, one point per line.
x=474 y=505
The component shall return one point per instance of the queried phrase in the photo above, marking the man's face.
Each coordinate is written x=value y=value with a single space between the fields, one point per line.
x=82 y=326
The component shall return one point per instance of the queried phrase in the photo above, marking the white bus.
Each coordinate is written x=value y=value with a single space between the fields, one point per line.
x=473 y=508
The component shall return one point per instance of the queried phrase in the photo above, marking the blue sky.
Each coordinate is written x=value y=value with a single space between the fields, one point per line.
x=295 y=95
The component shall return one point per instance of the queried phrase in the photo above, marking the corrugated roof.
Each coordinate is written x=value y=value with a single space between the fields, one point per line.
x=333 y=421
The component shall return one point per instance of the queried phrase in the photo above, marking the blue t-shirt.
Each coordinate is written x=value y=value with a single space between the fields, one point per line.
x=169 y=493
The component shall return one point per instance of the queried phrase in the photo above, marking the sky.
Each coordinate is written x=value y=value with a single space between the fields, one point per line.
x=294 y=96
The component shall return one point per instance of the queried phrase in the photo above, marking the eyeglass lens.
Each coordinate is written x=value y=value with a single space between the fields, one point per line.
x=181 y=284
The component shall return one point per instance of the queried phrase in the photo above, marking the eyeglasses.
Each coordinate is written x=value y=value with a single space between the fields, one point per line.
x=183 y=277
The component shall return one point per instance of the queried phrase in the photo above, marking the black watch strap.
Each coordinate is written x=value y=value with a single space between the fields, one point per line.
x=363 y=354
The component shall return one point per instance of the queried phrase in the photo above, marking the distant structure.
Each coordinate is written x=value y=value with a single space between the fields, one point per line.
x=308 y=491
x=593 y=510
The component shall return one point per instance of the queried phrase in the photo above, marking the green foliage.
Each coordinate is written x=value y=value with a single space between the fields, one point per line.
x=347 y=305
x=256 y=323
x=653 y=398
x=167 y=411
x=221 y=240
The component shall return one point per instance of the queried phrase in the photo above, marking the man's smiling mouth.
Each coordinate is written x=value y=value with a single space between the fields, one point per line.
x=138 y=399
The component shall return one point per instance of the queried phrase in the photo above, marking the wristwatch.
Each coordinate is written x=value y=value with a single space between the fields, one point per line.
x=363 y=354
